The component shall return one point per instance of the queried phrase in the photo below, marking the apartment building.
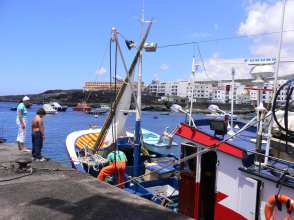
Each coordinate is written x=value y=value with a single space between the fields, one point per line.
x=213 y=92
x=100 y=85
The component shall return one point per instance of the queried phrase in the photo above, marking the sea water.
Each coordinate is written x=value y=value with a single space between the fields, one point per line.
x=59 y=125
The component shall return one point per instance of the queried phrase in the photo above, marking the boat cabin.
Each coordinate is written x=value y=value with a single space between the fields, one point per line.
x=223 y=181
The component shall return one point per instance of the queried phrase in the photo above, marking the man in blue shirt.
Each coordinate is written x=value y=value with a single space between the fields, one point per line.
x=21 y=118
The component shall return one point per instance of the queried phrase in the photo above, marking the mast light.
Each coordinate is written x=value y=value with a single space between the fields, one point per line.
x=150 y=47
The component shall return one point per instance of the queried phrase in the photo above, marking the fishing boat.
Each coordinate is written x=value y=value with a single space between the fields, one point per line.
x=82 y=107
x=159 y=144
x=245 y=171
x=232 y=177
x=49 y=109
x=88 y=148
x=58 y=107
x=102 y=109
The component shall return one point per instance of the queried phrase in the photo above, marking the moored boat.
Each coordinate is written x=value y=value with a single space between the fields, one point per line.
x=49 y=109
x=82 y=107
x=58 y=107
x=228 y=182
x=159 y=144
x=102 y=109
x=95 y=145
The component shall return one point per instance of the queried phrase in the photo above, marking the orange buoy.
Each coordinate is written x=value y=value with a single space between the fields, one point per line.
x=273 y=201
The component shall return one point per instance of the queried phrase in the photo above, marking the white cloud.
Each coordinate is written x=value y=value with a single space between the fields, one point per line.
x=164 y=66
x=221 y=69
x=101 y=71
x=262 y=17
x=155 y=76
x=265 y=17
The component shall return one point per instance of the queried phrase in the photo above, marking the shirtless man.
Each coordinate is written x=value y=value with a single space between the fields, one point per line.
x=38 y=135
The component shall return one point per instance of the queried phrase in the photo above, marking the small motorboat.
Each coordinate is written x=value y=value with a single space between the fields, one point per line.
x=2 y=140
x=82 y=107
x=158 y=144
x=104 y=108
x=100 y=111
x=49 y=109
x=58 y=107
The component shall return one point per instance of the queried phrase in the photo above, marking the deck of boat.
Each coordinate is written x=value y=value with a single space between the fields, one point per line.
x=56 y=192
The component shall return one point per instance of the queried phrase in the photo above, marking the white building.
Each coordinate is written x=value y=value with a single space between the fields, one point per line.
x=220 y=94
x=182 y=88
x=213 y=92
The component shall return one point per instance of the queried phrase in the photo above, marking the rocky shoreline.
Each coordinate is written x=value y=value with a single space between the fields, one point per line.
x=149 y=102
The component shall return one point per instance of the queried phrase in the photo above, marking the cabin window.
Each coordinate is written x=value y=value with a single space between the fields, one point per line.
x=190 y=165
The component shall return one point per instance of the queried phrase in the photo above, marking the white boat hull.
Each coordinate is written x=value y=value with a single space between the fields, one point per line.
x=72 y=150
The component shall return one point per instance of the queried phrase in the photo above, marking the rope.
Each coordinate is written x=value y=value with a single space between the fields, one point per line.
x=17 y=177
x=222 y=39
x=99 y=67
x=203 y=64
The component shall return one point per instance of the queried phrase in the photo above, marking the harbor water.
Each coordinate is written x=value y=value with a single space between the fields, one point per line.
x=59 y=125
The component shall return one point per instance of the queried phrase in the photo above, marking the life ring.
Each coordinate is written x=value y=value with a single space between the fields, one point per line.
x=278 y=200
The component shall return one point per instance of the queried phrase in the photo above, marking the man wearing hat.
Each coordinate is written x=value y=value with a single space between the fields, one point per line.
x=21 y=118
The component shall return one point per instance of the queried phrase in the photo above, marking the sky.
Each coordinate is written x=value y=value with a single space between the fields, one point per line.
x=60 y=44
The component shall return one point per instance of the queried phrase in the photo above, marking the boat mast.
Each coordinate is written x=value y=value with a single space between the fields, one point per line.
x=231 y=132
x=137 y=150
x=139 y=99
x=275 y=81
x=106 y=125
x=192 y=89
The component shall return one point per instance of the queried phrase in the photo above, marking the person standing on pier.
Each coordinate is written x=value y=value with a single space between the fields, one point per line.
x=38 y=134
x=21 y=118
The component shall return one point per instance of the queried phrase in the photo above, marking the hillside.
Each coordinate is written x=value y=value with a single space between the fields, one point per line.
x=72 y=97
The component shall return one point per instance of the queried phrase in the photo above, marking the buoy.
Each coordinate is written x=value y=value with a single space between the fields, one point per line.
x=273 y=201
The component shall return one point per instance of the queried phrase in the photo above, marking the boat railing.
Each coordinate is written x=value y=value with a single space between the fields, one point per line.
x=281 y=170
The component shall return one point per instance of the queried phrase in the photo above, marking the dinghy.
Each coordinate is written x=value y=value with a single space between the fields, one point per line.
x=158 y=144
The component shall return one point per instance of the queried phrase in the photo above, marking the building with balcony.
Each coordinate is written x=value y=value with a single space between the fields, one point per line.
x=100 y=85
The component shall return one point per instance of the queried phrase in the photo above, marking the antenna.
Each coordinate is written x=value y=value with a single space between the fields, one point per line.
x=276 y=80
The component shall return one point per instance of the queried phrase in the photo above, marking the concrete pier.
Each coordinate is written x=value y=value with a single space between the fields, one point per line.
x=52 y=191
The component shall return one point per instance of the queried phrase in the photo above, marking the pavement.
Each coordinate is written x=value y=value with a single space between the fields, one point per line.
x=53 y=191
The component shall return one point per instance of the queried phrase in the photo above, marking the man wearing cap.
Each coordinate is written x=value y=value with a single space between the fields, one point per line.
x=21 y=118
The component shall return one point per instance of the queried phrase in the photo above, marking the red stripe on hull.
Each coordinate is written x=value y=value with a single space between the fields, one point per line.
x=200 y=137
x=196 y=208
x=220 y=196
x=221 y=212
